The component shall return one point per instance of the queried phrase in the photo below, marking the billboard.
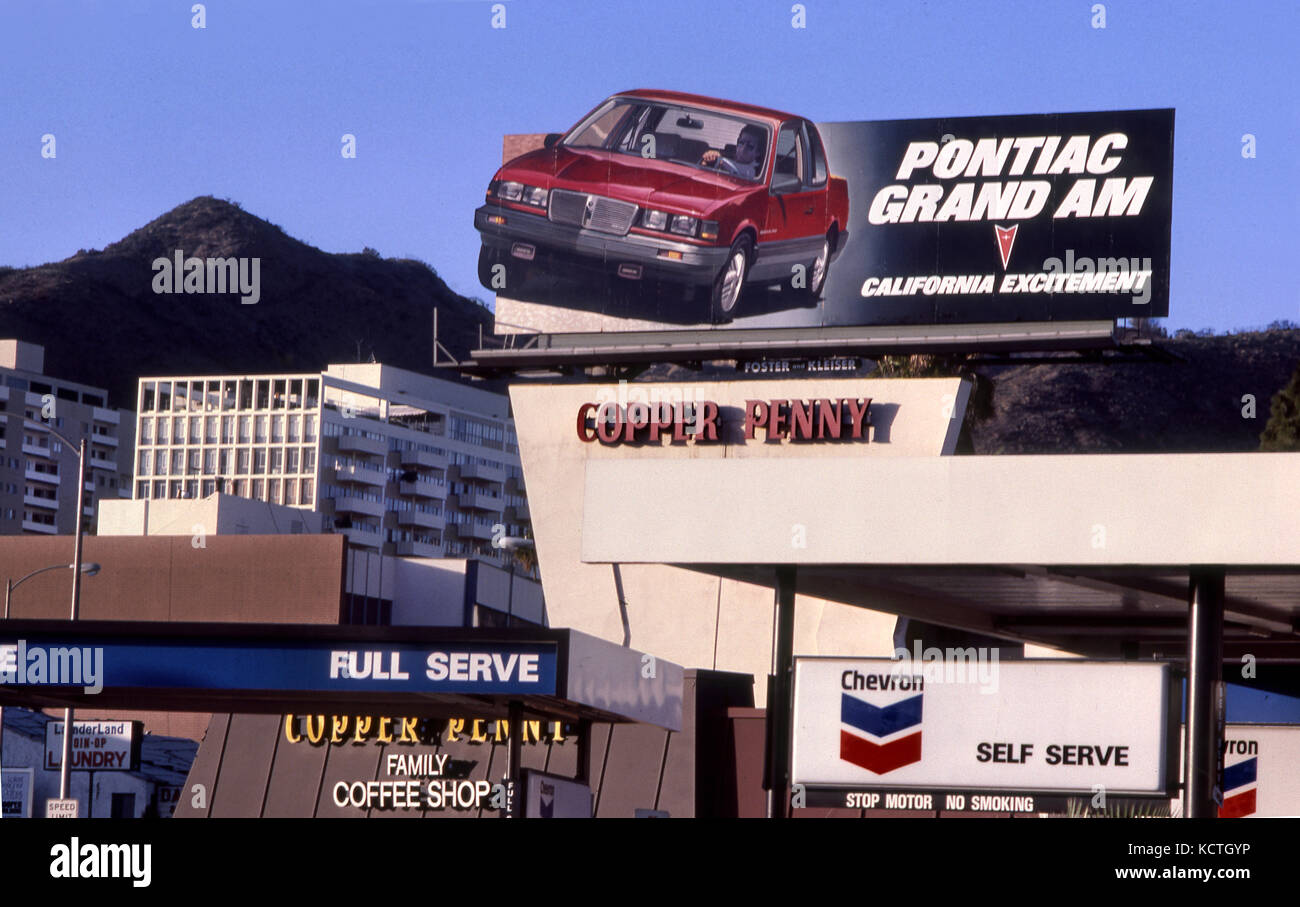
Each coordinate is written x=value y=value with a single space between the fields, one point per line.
x=669 y=211
x=865 y=725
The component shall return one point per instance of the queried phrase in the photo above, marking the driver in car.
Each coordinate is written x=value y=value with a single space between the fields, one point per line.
x=749 y=154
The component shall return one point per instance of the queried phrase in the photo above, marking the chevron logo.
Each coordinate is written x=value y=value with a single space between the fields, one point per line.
x=1240 y=783
x=880 y=738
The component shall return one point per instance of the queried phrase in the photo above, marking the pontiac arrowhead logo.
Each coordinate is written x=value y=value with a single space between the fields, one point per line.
x=892 y=733
x=1006 y=239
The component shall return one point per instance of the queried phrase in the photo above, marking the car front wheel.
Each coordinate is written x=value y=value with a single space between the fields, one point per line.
x=730 y=282
x=511 y=275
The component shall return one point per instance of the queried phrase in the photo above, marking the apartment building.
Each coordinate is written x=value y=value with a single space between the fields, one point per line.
x=38 y=484
x=402 y=463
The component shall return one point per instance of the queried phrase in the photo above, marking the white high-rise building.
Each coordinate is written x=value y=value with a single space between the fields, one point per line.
x=402 y=463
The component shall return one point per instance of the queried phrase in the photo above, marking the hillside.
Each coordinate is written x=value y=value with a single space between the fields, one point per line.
x=1189 y=406
x=101 y=323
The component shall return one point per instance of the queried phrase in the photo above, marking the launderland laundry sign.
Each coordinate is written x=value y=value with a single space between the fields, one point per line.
x=1032 y=726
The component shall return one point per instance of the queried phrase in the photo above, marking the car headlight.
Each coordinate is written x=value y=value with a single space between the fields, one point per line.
x=510 y=191
x=654 y=220
x=684 y=225
x=535 y=196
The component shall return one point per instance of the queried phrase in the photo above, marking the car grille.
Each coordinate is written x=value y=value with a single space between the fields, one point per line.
x=595 y=212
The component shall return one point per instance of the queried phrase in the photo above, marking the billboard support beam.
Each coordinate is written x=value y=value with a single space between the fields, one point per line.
x=1204 y=682
x=781 y=698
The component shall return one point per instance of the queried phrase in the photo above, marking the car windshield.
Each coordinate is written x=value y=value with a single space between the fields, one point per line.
x=696 y=138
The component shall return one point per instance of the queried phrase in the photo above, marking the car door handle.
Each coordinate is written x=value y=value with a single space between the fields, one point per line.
x=809 y=210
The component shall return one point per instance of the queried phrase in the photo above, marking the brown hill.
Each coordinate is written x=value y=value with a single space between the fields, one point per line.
x=1194 y=405
x=102 y=324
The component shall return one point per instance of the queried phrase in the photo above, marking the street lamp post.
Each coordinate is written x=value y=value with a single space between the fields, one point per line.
x=10 y=586
x=65 y=769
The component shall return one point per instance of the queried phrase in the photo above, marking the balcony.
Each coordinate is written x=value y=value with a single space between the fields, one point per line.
x=477 y=500
x=470 y=531
x=355 y=474
x=33 y=476
x=111 y=416
x=352 y=504
x=37 y=450
x=418 y=549
x=428 y=490
x=519 y=513
x=106 y=440
x=363 y=536
x=423 y=459
x=419 y=518
x=30 y=526
x=32 y=500
x=475 y=472
x=362 y=445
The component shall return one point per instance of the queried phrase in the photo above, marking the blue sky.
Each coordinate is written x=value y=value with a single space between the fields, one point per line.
x=148 y=112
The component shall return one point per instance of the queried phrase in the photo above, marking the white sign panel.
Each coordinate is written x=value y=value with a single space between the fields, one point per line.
x=1261 y=771
x=97 y=746
x=1033 y=726
x=16 y=793
x=61 y=809
x=549 y=797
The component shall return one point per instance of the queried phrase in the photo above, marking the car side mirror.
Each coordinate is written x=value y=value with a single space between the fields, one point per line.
x=785 y=182
x=551 y=139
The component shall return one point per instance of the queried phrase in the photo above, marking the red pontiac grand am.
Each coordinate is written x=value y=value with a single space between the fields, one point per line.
x=708 y=193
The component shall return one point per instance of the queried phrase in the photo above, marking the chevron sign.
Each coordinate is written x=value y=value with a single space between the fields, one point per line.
x=880 y=738
x=1239 y=786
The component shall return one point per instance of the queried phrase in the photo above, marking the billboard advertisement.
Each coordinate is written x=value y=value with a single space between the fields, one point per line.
x=1035 y=726
x=666 y=211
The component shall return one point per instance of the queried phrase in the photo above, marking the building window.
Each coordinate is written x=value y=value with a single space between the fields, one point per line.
x=309 y=427
x=192 y=488
x=295 y=426
x=290 y=491
x=292 y=464
x=146 y=461
x=277 y=429
x=245 y=423
x=241 y=488
x=164 y=430
x=260 y=424
x=224 y=469
x=277 y=461
x=259 y=489
x=259 y=461
x=307 y=488
x=209 y=487
x=309 y=459
x=275 y=491
x=211 y=433
x=227 y=429
x=160 y=489
x=242 y=459
x=146 y=431
x=196 y=429
x=194 y=463
x=210 y=462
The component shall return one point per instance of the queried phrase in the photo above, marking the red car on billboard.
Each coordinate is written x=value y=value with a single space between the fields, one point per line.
x=665 y=185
